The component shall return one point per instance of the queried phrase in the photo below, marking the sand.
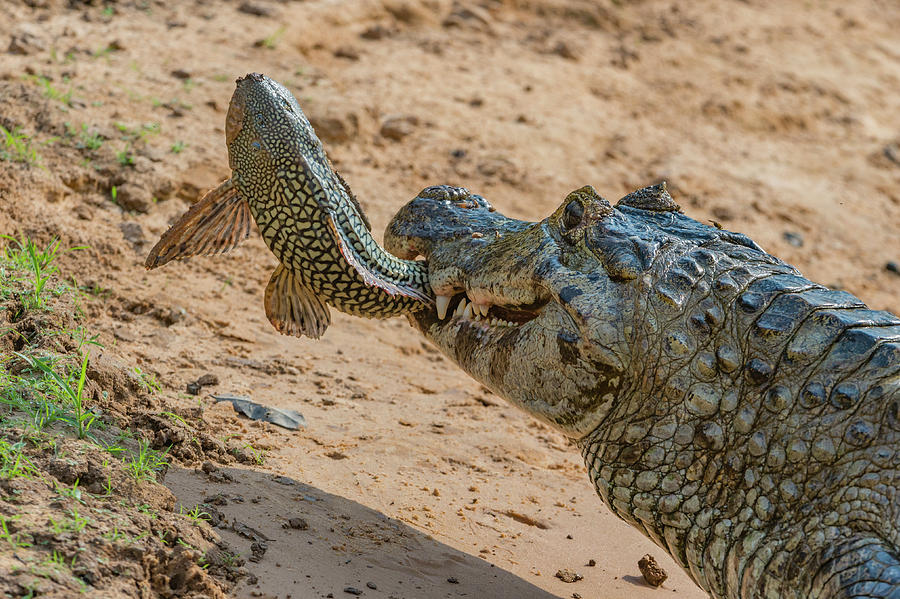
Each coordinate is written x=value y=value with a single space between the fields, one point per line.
x=777 y=119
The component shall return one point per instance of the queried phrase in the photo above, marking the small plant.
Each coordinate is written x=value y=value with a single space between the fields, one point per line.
x=69 y=390
x=177 y=147
x=73 y=493
x=176 y=418
x=146 y=463
x=125 y=157
x=52 y=92
x=13 y=463
x=39 y=262
x=196 y=514
x=85 y=138
x=17 y=147
x=259 y=457
x=113 y=535
x=271 y=42
x=74 y=523
x=16 y=540
x=147 y=380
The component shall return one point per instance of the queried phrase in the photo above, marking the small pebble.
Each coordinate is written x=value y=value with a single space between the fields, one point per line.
x=794 y=239
x=193 y=388
x=372 y=586
x=352 y=591
x=652 y=571
x=591 y=563
x=208 y=380
x=297 y=524
x=453 y=580
x=892 y=267
x=567 y=575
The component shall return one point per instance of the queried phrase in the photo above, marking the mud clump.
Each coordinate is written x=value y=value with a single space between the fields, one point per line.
x=652 y=572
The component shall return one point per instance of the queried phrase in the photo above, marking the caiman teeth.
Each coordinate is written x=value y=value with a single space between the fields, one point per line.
x=442 y=302
x=461 y=307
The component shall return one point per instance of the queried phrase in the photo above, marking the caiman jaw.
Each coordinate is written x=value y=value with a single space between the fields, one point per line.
x=487 y=312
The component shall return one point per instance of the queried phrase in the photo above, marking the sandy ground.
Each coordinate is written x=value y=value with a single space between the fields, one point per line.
x=777 y=119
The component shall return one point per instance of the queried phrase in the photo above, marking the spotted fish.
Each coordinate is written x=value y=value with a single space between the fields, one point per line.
x=307 y=215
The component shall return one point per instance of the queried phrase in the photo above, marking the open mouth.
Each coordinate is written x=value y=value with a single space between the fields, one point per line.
x=459 y=306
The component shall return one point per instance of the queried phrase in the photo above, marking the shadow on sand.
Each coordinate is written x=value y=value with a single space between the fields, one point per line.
x=338 y=544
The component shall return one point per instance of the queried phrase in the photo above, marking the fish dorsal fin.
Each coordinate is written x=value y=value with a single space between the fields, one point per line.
x=355 y=201
x=293 y=308
x=370 y=278
x=217 y=223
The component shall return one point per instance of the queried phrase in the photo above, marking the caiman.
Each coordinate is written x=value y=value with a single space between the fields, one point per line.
x=744 y=418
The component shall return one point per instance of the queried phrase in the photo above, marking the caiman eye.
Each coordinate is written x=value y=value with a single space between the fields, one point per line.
x=572 y=215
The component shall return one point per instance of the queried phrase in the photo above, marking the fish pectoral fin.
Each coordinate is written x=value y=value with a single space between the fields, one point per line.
x=370 y=278
x=293 y=308
x=217 y=223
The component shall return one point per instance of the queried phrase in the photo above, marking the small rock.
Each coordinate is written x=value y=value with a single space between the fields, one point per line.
x=795 y=239
x=257 y=10
x=207 y=380
x=116 y=45
x=283 y=480
x=453 y=580
x=352 y=591
x=398 y=127
x=469 y=16
x=376 y=32
x=576 y=596
x=372 y=586
x=258 y=550
x=892 y=267
x=132 y=232
x=193 y=388
x=562 y=48
x=591 y=563
x=25 y=43
x=652 y=571
x=567 y=575
x=209 y=468
x=348 y=52
x=458 y=153
x=172 y=315
x=181 y=74
x=331 y=129
x=133 y=197
x=297 y=524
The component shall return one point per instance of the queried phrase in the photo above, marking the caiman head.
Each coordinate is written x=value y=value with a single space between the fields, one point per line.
x=550 y=314
x=542 y=313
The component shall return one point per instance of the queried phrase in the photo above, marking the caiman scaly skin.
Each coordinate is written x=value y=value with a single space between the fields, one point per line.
x=306 y=212
x=744 y=418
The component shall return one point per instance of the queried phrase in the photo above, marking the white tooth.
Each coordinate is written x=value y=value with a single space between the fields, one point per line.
x=442 y=301
x=467 y=313
x=494 y=322
x=484 y=309
x=460 y=307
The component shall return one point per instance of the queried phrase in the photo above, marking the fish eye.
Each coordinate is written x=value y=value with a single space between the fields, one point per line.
x=256 y=145
x=572 y=215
